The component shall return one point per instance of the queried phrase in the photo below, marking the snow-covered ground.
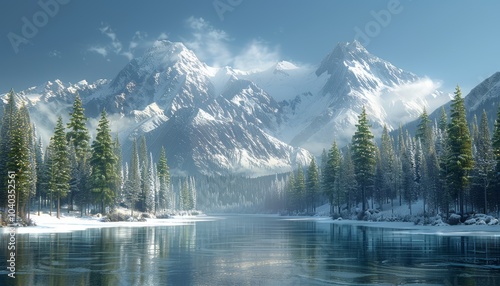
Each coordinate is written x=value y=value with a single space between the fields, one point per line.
x=73 y=222
x=398 y=218
x=392 y=218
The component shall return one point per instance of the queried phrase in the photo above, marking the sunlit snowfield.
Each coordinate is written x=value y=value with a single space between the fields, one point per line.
x=256 y=250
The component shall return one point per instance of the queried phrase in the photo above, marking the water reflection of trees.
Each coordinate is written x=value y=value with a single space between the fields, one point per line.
x=374 y=255
x=107 y=256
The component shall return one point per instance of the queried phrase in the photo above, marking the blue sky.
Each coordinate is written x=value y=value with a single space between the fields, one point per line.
x=456 y=42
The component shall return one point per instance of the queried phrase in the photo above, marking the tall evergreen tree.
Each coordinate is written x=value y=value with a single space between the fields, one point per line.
x=164 y=178
x=496 y=153
x=133 y=183
x=300 y=188
x=312 y=186
x=39 y=155
x=290 y=201
x=363 y=154
x=6 y=130
x=21 y=159
x=484 y=160
x=424 y=131
x=61 y=172
x=103 y=164
x=117 y=150
x=388 y=166
x=78 y=136
x=330 y=176
x=145 y=176
x=459 y=161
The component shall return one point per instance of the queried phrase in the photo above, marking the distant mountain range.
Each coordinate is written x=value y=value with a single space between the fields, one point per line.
x=223 y=120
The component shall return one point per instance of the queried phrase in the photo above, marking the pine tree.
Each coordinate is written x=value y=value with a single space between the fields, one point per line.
x=312 y=185
x=459 y=161
x=388 y=166
x=484 y=160
x=347 y=178
x=496 y=153
x=103 y=164
x=6 y=130
x=78 y=133
x=186 y=200
x=117 y=150
x=300 y=189
x=363 y=155
x=145 y=178
x=61 y=172
x=21 y=158
x=443 y=120
x=330 y=177
x=164 y=178
x=78 y=136
x=133 y=183
x=424 y=131
x=290 y=193
x=151 y=195
x=39 y=155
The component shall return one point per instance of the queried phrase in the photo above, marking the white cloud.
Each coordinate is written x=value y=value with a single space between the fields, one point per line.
x=256 y=56
x=115 y=46
x=162 y=36
x=213 y=46
x=208 y=43
x=100 y=50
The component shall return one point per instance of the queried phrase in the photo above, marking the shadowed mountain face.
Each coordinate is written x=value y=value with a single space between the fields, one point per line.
x=222 y=120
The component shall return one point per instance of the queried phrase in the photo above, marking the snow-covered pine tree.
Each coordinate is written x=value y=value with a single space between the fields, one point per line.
x=133 y=183
x=145 y=178
x=151 y=195
x=165 y=201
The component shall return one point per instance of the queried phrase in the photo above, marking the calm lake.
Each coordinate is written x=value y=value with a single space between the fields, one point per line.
x=253 y=250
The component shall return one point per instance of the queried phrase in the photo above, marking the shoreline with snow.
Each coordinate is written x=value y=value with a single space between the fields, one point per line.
x=73 y=222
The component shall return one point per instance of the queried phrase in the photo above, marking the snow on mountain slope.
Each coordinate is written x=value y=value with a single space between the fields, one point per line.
x=216 y=120
x=356 y=78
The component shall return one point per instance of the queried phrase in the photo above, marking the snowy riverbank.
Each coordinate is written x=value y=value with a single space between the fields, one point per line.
x=73 y=222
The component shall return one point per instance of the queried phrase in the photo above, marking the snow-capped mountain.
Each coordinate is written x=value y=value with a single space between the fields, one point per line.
x=347 y=79
x=219 y=120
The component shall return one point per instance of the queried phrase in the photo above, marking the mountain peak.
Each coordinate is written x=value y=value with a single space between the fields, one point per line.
x=343 y=51
x=164 y=52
